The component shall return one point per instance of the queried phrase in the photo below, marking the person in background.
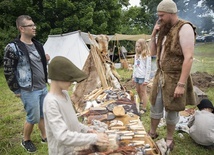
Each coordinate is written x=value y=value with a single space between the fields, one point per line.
x=115 y=54
x=141 y=71
x=64 y=131
x=172 y=40
x=25 y=69
x=111 y=54
x=201 y=124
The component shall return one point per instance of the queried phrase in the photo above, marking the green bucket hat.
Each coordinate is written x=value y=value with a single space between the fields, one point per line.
x=62 y=69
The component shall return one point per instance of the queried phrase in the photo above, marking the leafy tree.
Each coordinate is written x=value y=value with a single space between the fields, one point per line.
x=197 y=12
x=94 y=16
x=10 y=9
x=188 y=10
x=135 y=20
x=210 y=4
x=60 y=16
x=206 y=27
x=150 y=8
x=97 y=16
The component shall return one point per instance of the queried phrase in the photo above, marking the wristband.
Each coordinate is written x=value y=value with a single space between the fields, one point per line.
x=179 y=84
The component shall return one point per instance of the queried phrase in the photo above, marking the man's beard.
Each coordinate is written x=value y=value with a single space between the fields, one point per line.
x=164 y=29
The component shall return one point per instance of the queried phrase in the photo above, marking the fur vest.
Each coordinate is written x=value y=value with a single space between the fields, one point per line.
x=170 y=70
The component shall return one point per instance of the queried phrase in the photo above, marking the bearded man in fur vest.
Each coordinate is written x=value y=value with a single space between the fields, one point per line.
x=173 y=43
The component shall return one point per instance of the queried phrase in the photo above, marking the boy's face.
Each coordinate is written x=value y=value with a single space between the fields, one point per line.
x=64 y=85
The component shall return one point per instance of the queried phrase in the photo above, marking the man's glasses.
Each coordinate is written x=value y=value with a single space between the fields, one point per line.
x=30 y=25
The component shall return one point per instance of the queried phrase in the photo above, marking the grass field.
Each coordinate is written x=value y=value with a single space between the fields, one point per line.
x=12 y=115
x=204 y=58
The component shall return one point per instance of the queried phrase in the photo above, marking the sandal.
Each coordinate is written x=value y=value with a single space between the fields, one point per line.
x=142 y=108
x=171 y=146
x=153 y=135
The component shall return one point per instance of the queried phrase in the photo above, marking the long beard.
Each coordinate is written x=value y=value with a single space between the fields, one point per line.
x=164 y=29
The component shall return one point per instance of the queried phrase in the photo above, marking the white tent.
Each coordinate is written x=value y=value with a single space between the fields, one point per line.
x=73 y=45
x=69 y=45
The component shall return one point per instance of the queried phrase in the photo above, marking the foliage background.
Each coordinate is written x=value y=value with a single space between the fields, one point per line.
x=95 y=16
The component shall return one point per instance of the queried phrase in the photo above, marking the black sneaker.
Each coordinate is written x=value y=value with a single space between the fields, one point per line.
x=44 y=141
x=29 y=146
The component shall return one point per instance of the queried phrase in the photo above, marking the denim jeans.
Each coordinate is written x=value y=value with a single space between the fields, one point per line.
x=33 y=104
x=139 y=80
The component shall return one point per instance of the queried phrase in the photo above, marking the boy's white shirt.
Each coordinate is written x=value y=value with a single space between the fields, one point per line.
x=63 y=129
x=201 y=131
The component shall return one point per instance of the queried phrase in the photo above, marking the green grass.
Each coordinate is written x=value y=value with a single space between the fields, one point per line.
x=203 y=58
x=203 y=62
x=12 y=119
x=185 y=146
x=12 y=115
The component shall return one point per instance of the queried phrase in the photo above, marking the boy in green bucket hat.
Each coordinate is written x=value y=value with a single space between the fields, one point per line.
x=64 y=131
